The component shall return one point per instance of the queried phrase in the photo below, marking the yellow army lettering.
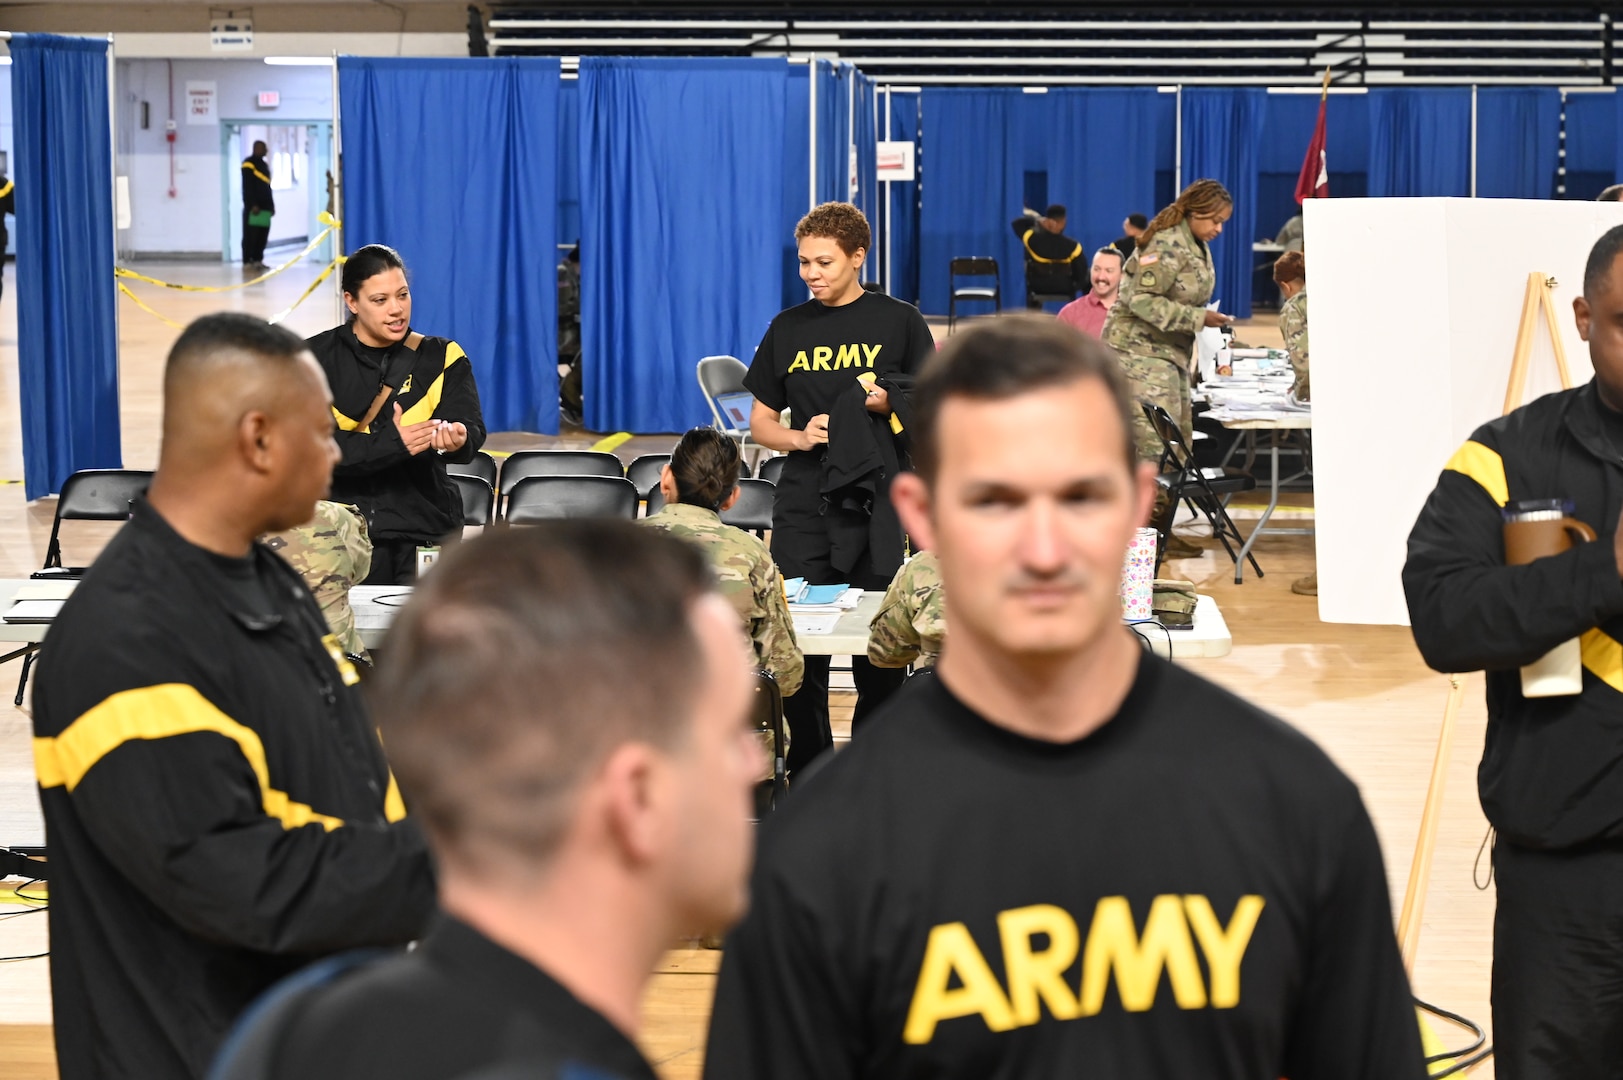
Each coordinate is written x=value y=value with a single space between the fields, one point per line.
x=824 y=358
x=1114 y=947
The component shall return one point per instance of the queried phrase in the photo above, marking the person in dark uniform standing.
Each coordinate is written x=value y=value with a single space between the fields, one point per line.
x=816 y=360
x=217 y=805
x=585 y=812
x=1551 y=778
x=405 y=405
x=8 y=205
x=258 y=206
x=1055 y=264
x=1060 y=855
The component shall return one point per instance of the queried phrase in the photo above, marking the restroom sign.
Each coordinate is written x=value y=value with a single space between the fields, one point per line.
x=201 y=102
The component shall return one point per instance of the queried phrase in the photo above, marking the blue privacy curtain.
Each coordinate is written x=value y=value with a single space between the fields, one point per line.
x=1518 y=138
x=67 y=328
x=865 y=135
x=451 y=163
x=903 y=209
x=1222 y=130
x=1419 y=142
x=568 y=162
x=970 y=164
x=795 y=180
x=681 y=228
x=1592 y=123
x=1101 y=159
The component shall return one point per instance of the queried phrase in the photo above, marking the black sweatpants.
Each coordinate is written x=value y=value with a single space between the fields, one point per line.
x=1558 y=964
x=800 y=547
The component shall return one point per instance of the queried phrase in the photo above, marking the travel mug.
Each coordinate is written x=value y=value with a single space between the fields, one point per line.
x=1537 y=529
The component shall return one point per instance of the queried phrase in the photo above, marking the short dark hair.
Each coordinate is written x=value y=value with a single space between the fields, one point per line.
x=367 y=262
x=1291 y=266
x=1598 y=270
x=1138 y=221
x=1055 y=212
x=705 y=465
x=1007 y=357
x=229 y=335
x=1611 y=194
x=520 y=664
x=1111 y=249
x=838 y=221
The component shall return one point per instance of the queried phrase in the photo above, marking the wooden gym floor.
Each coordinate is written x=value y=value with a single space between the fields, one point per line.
x=1360 y=691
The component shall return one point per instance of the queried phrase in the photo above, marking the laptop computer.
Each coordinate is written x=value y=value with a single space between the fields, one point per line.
x=735 y=409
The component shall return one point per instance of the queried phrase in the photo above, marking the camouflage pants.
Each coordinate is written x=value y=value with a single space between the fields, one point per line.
x=1156 y=381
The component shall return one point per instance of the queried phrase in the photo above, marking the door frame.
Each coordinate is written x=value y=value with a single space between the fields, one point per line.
x=319 y=134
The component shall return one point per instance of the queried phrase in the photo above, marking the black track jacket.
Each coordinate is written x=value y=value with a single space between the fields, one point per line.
x=1552 y=770
x=403 y=497
x=217 y=806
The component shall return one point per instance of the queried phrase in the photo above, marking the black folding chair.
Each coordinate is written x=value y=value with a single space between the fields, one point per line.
x=771 y=469
x=980 y=294
x=753 y=510
x=536 y=499
x=1205 y=491
x=643 y=472
x=767 y=714
x=527 y=463
x=87 y=495
x=478 y=499
x=483 y=466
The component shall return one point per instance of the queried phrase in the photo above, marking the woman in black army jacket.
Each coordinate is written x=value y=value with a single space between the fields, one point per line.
x=405 y=404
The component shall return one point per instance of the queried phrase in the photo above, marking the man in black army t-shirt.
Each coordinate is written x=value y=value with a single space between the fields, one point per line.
x=1061 y=856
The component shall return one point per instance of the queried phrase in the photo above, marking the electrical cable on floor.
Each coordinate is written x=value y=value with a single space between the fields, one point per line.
x=1466 y=1058
x=1136 y=625
x=37 y=904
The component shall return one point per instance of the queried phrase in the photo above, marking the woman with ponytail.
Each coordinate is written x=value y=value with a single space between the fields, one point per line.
x=1164 y=290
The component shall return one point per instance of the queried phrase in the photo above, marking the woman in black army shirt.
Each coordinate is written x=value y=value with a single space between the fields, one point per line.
x=810 y=357
x=405 y=404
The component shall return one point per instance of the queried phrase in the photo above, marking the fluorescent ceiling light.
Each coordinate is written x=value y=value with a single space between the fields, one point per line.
x=299 y=61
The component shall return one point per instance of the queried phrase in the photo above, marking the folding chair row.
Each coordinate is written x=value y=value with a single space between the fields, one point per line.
x=752 y=512
x=546 y=497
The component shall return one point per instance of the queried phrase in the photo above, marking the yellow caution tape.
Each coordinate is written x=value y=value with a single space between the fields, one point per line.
x=285 y=312
x=608 y=443
x=144 y=306
x=125 y=272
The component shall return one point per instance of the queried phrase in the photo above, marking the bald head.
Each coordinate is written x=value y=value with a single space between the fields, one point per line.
x=247 y=422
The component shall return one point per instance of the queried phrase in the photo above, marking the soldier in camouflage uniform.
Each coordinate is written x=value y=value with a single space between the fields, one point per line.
x=912 y=620
x=1290 y=271
x=332 y=553
x=701 y=481
x=1164 y=290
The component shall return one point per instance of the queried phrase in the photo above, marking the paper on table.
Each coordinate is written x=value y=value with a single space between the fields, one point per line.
x=33 y=611
x=46 y=590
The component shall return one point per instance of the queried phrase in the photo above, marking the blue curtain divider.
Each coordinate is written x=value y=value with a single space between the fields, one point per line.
x=441 y=162
x=680 y=227
x=1518 y=142
x=795 y=182
x=1222 y=131
x=67 y=303
x=970 y=153
x=904 y=201
x=568 y=162
x=1420 y=142
x=1101 y=158
x=866 y=136
x=1592 y=162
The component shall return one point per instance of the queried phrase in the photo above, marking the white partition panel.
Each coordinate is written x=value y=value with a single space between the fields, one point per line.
x=1414 y=310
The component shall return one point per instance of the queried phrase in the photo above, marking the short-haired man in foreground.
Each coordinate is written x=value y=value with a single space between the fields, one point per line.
x=566 y=706
x=1063 y=856
x=216 y=802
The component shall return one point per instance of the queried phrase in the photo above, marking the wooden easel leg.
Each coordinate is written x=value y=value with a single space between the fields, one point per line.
x=1414 y=896
x=1547 y=298
x=1524 y=342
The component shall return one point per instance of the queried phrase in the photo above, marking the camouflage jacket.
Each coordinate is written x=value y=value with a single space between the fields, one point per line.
x=912 y=620
x=750 y=581
x=1164 y=291
x=1293 y=327
x=332 y=553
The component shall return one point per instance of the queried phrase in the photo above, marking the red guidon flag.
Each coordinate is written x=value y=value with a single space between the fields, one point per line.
x=1314 y=180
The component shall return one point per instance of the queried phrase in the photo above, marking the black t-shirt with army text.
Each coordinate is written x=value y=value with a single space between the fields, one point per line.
x=812 y=352
x=1193 y=890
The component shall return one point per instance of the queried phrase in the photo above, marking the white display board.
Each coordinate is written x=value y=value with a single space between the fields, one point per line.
x=1413 y=308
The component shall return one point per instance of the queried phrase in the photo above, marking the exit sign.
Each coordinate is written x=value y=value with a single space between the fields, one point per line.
x=270 y=99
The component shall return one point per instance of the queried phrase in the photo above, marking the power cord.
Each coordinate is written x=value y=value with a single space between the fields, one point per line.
x=1137 y=627
x=1471 y=1056
x=36 y=904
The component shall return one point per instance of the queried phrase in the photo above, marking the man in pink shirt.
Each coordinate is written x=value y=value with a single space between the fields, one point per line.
x=1088 y=313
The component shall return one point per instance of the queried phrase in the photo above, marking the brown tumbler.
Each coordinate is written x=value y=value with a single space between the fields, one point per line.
x=1536 y=529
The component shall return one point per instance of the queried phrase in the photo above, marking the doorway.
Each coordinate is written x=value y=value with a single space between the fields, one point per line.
x=299 y=155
